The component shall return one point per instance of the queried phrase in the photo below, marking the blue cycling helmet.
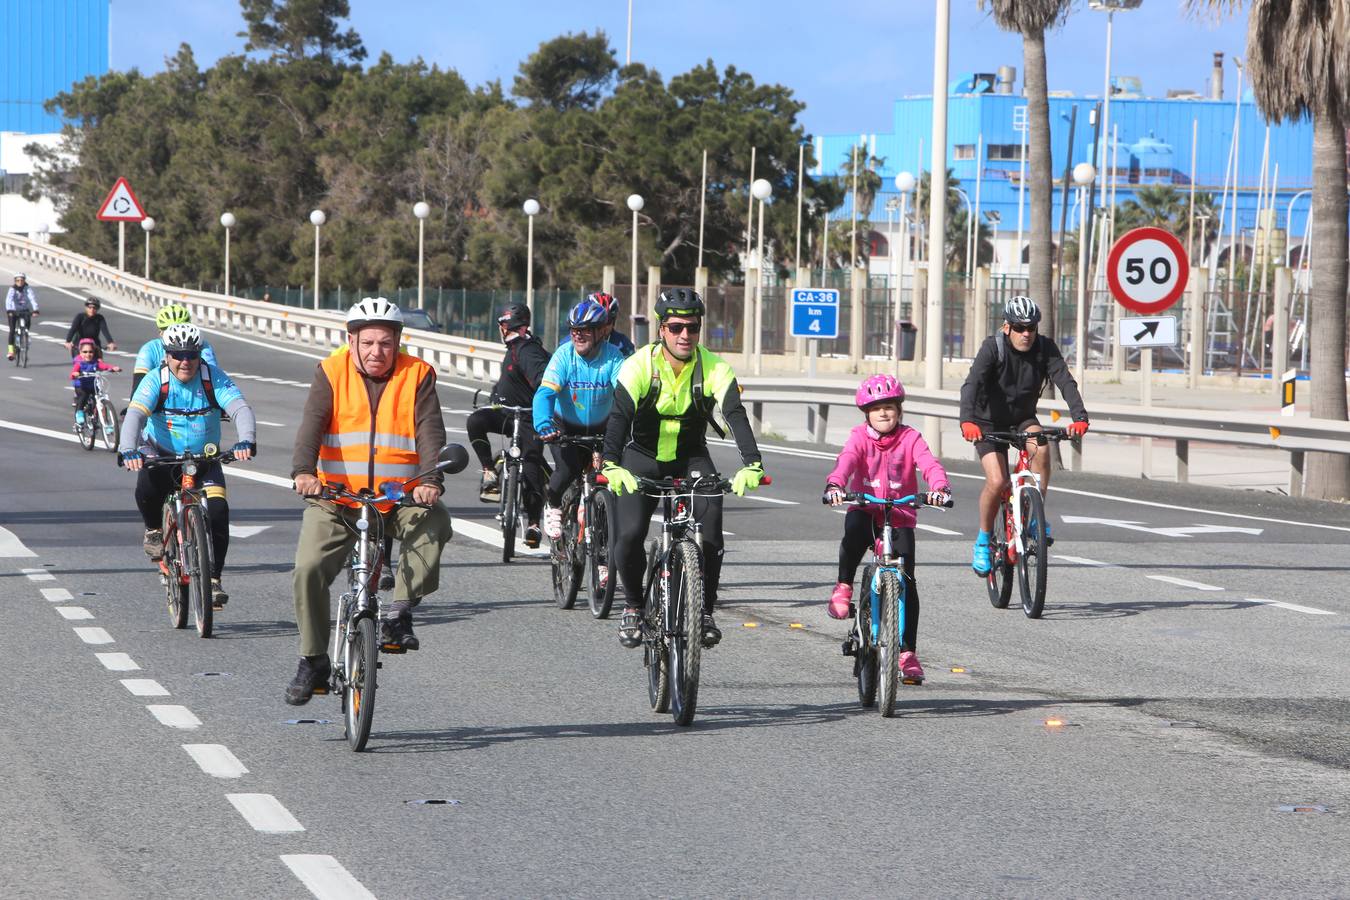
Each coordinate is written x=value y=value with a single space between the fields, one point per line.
x=588 y=314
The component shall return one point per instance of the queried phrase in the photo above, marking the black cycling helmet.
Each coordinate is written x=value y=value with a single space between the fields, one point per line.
x=1021 y=310
x=679 y=302
x=96 y=303
x=514 y=315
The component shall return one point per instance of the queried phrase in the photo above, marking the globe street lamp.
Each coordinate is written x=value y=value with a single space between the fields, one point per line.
x=1083 y=175
x=147 y=225
x=635 y=203
x=531 y=209
x=904 y=183
x=227 y=221
x=317 y=218
x=762 y=190
x=421 y=210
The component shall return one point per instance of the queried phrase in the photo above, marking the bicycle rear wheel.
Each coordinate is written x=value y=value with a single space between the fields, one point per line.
x=198 y=565
x=107 y=424
x=510 y=488
x=602 y=591
x=684 y=620
x=1000 y=577
x=865 y=663
x=565 y=554
x=654 y=655
x=888 y=643
x=1031 y=568
x=360 y=660
x=175 y=591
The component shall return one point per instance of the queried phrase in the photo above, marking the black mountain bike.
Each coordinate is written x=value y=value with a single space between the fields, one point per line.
x=511 y=479
x=583 y=549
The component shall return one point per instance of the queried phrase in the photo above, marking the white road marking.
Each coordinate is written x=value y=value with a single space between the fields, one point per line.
x=493 y=536
x=1165 y=531
x=265 y=813
x=935 y=529
x=175 y=716
x=325 y=877
x=38 y=574
x=20 y=378
x=117 y=662
x=73 y=613
x=144 y=687
x=56 y=595
x=272 y=424
x=1293 y=606
x=94 y=635
x=216 y=760
x=247 y=531
x=771 y=500
x=1182 y=582
x=1084 y=561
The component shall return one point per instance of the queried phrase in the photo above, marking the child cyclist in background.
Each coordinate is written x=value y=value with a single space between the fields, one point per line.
x=880 y=458
x=82 y=372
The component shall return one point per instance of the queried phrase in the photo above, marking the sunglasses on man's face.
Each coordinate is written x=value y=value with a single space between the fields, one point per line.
x=184 y=355
x=680 y=327
x=1022 y=329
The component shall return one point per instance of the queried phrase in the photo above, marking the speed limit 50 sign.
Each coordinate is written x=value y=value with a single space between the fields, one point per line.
x=1147 y=270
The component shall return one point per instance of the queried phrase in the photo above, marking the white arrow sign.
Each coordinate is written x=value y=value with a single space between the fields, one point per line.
x=1153 y=331
x=1177 y=532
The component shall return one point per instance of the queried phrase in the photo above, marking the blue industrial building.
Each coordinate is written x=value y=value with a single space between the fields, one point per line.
x=984 y=133
x=48 y=46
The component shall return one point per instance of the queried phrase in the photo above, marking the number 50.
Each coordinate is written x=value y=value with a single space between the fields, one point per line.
x=1159 y=271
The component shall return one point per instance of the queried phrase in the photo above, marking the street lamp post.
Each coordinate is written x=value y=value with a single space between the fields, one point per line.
x=421 y=210
x=635 y=203
x=317 y=218
x=531 y=209
x=227 y=221
x=762 y=190
x=1083 y=175
x=147 y=225
x=904 y=183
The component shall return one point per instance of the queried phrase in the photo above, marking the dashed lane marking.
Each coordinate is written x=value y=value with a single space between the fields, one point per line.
x=38 y=574
x=1084 y=561
x=934 y=529
x=216 y=760
x=20 y=378
x=117 y=662
x=493 y=537
x=1294 y=607
x=325 y=877
x=265 y=813
x=175 y=716
x=1182 y=582
x=272 y=424
x=144 y=687
x=74 y=613
x=94 y=635
x=247 y=531
x=775 y=500
x=56 y=595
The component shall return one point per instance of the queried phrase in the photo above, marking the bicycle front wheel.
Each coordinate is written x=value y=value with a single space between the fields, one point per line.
x=107 y=424
x=888 y=643
x=23 y=348
x=360 y=660
x=684 y=629
x=654 y=650
x=602 y=571
x=198 y=563
x=510 y=488
x=865 y=662
x=564 y=555
x=84 y=430
x=1000 y=577
x=1031 y=568
x=175 y=591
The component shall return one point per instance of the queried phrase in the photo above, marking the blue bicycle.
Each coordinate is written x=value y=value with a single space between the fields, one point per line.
x=879 y=614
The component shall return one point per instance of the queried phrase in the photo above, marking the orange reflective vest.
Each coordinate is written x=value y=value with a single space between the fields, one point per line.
x=364 y=447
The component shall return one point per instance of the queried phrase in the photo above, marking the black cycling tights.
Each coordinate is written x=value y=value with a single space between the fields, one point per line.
x=634 y=513
x=569 y=460
x=860 y=531
x=154 y=485
x=483 y=422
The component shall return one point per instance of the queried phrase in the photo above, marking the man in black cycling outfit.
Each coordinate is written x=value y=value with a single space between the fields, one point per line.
x=522 y=368
x=1006 y=379
x=664 y=398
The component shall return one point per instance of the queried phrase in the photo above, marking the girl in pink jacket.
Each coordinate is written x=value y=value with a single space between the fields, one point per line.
x=880 y=457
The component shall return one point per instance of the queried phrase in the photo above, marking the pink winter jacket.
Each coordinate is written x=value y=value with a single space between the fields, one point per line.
x=883 y=465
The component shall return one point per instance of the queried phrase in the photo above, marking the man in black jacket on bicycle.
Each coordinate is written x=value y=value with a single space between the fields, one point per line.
x=1006 y=379
x=522 y=368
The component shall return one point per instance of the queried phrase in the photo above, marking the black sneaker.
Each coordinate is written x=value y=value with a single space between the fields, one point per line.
x=712 y=635
x=396 y=635
x=386 y=580
x=489 y=491
x=310 y=679
x=533 y=535
x=153 y=543
x=218 y=595
x=630 y=628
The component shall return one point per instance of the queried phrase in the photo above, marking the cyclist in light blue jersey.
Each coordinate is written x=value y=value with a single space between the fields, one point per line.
x=574 y=398
x=151 y=355
x=177 y=409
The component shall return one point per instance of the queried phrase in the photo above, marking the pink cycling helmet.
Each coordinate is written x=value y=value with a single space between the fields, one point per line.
x=90 y=341
x=879 y=388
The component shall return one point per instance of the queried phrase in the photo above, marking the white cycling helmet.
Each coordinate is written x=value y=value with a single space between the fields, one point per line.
x=374 y=311
x=1021 y=310
x=183 y=336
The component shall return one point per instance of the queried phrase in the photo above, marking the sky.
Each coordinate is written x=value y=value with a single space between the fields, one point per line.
x=847 y=63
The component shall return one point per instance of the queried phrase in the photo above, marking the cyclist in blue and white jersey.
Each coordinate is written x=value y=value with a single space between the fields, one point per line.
x=177 y=409
x=151 y=355
x=574 y=398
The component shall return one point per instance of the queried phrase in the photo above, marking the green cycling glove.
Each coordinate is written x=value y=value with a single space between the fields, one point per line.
x=621 y=480
x=747 y=479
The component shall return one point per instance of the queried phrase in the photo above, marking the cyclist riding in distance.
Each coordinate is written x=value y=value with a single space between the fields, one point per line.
x=1006 y=379
x=90 y=325
x=82 y=372
x=613 y=336
x=574 y=398
x=663 y=404
x=151 y=355
x=20 y=303
x=522 y=368
x=177 y=409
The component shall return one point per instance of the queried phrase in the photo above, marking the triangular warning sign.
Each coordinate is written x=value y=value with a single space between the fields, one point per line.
x=121 y=205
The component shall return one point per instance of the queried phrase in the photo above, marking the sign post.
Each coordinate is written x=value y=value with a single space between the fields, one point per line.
x=815 y=315
x=1147 y=271
x=121 y=206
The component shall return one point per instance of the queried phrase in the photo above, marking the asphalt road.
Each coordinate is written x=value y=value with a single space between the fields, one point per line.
x=1192 y=645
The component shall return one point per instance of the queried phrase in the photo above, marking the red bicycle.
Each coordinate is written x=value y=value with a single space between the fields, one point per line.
x=1020 y=543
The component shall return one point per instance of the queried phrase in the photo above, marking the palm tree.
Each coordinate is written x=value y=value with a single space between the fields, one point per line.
x=869 y=185
x=1031 y=18
x=1296 y=56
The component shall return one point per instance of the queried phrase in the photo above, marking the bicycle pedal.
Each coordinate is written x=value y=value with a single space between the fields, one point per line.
x=393 y=648
x=913 y=681
x=379 y=664
x=849 y=647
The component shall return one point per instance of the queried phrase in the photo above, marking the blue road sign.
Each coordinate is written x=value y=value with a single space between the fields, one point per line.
x=815 y=313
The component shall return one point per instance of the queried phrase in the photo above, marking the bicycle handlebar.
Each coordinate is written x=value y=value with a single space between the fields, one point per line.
x=673 y=485
x=1018 y=438
x=151 y=462
x=397 y=495
x=913 y=501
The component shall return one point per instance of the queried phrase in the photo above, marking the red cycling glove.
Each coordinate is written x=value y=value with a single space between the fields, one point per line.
x=970 y=431
x=1077 y=429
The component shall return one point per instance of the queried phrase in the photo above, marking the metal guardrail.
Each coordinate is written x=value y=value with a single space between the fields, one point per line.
x=322 y=330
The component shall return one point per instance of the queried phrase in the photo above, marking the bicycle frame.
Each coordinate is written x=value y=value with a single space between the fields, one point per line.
x=887 y=561
x=1021 y=478
x=361 y=599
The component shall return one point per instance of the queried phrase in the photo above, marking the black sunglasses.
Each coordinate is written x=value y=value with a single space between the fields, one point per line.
x=185 y=354
x=679 y=327
x=1022 y=329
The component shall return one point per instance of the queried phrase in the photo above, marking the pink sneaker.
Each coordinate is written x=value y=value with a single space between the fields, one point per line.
x=910 y=670
x=840 y=600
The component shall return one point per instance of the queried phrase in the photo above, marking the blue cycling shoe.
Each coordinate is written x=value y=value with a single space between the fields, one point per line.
x=981 y=560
